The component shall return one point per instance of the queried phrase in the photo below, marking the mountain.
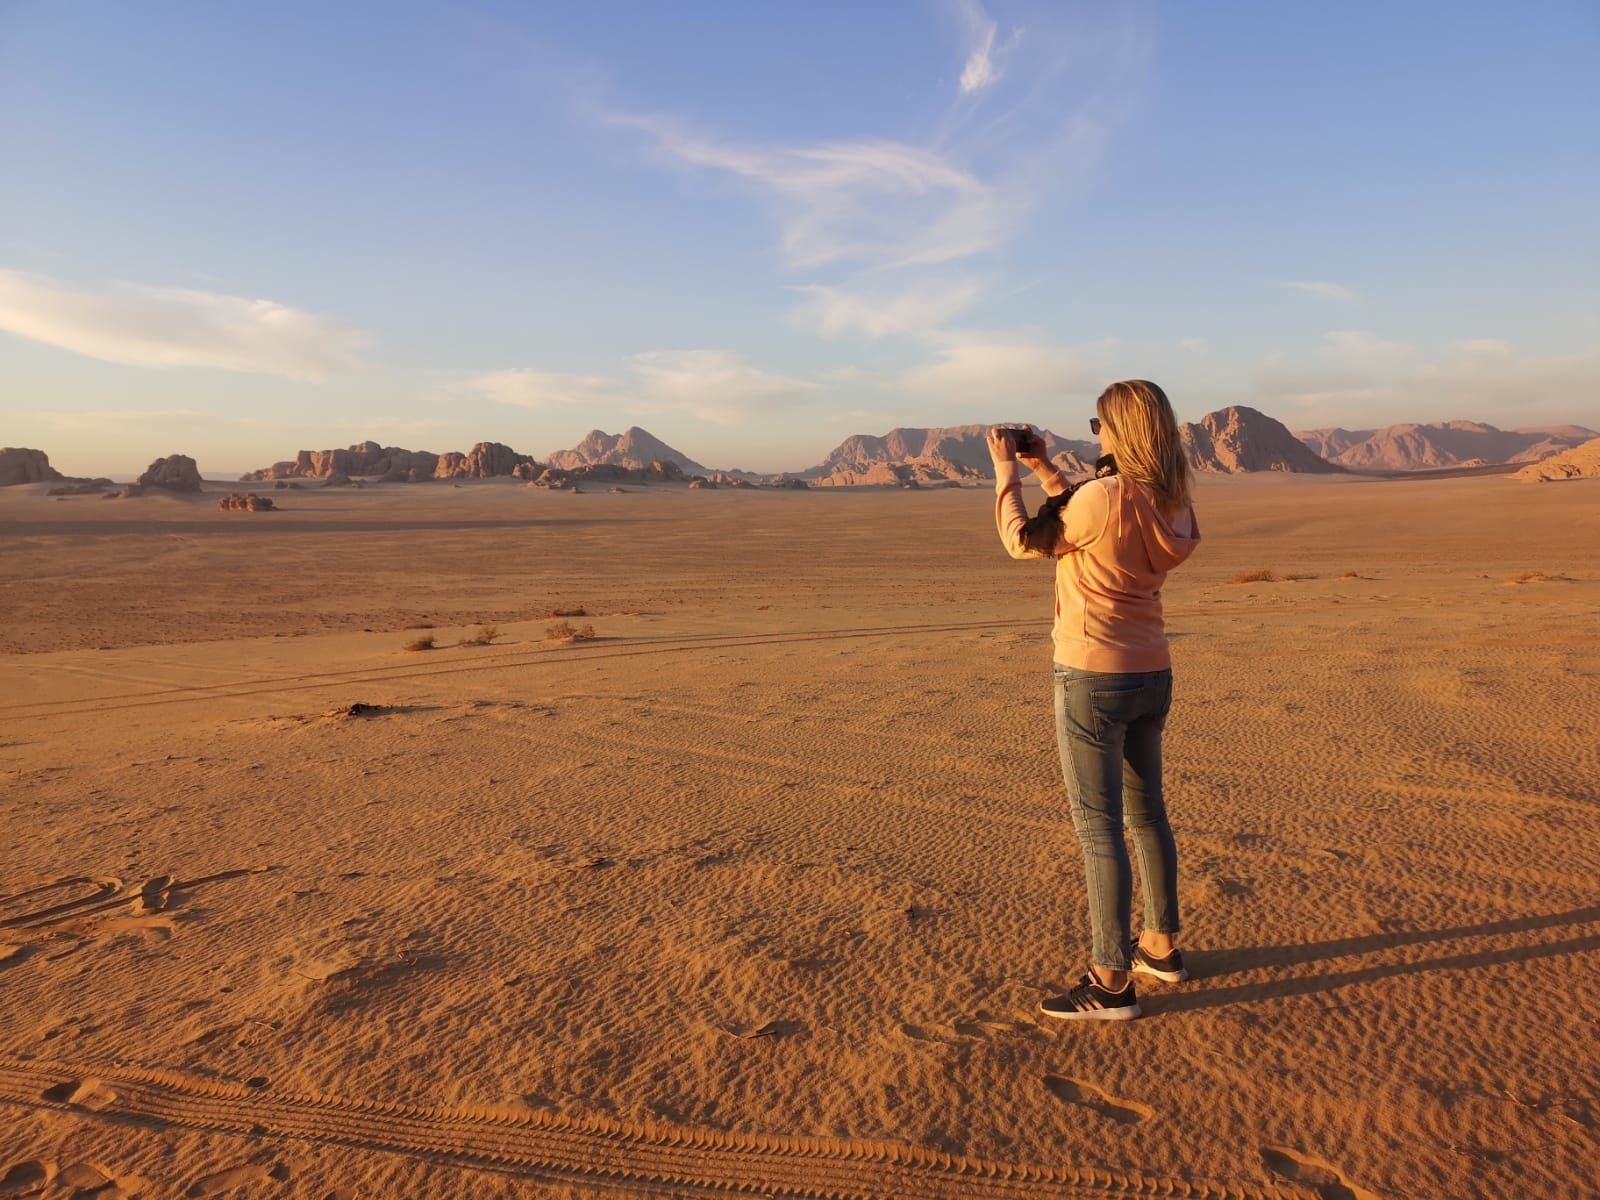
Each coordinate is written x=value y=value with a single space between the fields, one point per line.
x=1237 y=439
x=633 y=447
x=21 y=465
x=1415 y=447
x=1579 y=462
x=1328 y=443
x=916 y=456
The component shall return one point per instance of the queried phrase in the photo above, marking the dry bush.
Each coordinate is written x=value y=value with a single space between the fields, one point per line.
x=422 y=643
x=1298 y=578
x=562 y=631
x=1539 y=577
x=566 y=612
x=484 y=637
x=1352 y=575
x=1259 y=575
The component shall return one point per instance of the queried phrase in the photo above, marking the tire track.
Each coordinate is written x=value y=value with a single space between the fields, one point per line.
x=594 y=1152
x=357 y=675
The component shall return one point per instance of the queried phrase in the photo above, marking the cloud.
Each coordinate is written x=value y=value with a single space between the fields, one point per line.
x=979 y=71
x=1328 y=291
x=916 y=312
x=174 y=327
x=714 y=385
x=527 y=388
x=877 y=203
x=1484 y=347
x=1194 y=345
x=972 y=366
x=1363 y=345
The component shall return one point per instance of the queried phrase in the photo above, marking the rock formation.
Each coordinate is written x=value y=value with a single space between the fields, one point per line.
x=483 y=461
x=20 y=465
x=633 y=447
x=1579 y=462
x=175 y=473
x=249 y=502
x=365 y=458
x=1414 y=447
x=1238 y=439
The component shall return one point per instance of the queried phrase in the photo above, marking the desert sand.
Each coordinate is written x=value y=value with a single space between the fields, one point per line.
x=758 y=889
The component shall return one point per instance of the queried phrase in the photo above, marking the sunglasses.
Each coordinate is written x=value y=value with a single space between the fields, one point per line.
x=1094 y=426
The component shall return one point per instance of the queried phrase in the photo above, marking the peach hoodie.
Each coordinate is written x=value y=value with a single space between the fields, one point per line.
x=1112 y=554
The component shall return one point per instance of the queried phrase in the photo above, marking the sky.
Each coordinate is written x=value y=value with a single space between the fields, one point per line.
x=234 y=231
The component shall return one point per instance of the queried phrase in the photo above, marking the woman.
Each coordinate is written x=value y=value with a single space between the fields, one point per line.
x=1114 y=542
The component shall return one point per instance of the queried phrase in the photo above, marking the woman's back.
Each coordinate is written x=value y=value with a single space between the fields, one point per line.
x=1117 y=549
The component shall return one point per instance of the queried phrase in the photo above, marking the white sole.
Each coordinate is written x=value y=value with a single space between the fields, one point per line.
x=1164 y=976
x=1096 y=1014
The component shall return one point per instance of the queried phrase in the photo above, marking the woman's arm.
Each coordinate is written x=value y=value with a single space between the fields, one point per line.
x=1010 y=514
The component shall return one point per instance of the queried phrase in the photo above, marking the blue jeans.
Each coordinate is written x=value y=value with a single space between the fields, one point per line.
x=1108 y=729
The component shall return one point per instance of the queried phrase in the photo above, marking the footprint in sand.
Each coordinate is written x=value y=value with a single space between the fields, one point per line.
x=81 y=1093
x=1086 y=1095
x=220 y=1182
x=1321 y=1177
x=27 y=1178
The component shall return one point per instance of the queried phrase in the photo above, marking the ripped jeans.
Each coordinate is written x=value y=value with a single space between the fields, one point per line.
x=1108 y=729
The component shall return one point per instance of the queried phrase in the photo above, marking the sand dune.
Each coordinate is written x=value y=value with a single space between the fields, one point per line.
x=759 y=888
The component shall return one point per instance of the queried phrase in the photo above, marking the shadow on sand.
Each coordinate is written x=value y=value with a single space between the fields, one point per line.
x=1218 y=964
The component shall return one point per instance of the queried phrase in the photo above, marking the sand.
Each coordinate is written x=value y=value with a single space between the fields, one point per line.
x=759 y=888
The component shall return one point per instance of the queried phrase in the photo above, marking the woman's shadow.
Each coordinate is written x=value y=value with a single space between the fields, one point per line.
x=1206 y=966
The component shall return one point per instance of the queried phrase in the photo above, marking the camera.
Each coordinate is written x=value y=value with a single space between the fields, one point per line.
x=1024 y=440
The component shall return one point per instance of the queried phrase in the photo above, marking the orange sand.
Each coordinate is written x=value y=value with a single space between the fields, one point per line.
x=761 y=887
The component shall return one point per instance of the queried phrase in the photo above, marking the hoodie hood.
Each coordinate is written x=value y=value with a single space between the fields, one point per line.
x=1164 y=544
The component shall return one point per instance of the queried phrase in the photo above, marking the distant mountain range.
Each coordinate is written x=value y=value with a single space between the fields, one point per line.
x=1442 y=444
x=1232 y=440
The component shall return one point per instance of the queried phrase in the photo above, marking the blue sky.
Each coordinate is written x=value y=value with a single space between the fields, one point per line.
x=238 y=230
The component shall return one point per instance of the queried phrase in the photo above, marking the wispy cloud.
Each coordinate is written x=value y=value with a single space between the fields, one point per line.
x=1362 y=345
x=715 y=385
x=1322 y=288
x=982 y=68
x=1194 y=345
x=145 y=326
x=873 y=203
x=914 y=311
x=82 y=420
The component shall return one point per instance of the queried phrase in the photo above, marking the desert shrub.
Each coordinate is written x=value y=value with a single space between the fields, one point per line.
x=1259 y=575
x=1539 y=577
x=484 y=637
x=563 y=631
x=567 y=612
x=425 y=642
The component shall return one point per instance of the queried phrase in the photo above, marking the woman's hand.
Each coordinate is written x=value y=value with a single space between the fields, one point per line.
x=1034 y=463
x=1001 y=448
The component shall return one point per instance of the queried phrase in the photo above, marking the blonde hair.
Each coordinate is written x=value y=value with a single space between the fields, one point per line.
x=1145 y=442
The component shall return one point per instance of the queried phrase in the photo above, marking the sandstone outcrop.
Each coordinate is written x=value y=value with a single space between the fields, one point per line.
x=1580 y=462
x=364 y=458
x=249 y=502
x=21 y=465
x=175 y=473
x=484 y=461
x=1238 y=439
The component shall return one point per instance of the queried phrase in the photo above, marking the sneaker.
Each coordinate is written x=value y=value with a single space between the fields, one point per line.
x=1088 y=1001
x=1169 y=969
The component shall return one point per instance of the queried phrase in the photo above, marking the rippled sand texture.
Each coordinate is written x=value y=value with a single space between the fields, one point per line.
x=760 y=888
